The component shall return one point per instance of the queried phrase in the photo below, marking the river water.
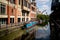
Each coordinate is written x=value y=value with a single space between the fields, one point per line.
x=43 y=33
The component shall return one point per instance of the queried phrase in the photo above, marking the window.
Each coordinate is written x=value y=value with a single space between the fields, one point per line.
x=12 y=1
x=30 y=1
x=33 y=0
x=32 y=8
x=19 y=2
x=19 y=20
x=23 y=14
x=34 y=4
x=27 y=14
x=28 y=5
x=23 y=19
x=11 y=20
x=2 y=8
x=27 y=19
x=25 y=3
x=3 y=20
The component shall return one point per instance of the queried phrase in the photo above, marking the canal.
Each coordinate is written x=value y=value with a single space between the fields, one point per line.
x=43 y=33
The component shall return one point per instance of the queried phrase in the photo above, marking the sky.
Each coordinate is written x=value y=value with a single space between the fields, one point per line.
x=44 y=5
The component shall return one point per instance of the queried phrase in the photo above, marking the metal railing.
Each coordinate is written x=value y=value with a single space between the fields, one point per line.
x=10 y=25
x=7 y=29
x=55 y=22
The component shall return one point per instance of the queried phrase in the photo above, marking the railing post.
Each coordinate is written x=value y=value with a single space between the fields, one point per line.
x=11 y=24
x=6 y=29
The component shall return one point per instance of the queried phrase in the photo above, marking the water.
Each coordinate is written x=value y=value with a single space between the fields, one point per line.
x=43 y=34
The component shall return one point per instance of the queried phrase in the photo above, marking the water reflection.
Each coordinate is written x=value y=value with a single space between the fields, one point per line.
x=43 y=33
x=47 y=38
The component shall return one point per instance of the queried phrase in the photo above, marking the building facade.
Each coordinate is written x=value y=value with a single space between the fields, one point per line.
x=54 y=3
x=16 y=11
x=55 y=20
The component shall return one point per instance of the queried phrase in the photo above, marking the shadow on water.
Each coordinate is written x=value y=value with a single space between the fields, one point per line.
x=47 y=38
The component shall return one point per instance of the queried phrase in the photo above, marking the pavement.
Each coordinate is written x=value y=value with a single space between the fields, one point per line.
x=43 y=32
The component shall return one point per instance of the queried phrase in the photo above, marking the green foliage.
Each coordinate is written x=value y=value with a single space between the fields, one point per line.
x=43 y=18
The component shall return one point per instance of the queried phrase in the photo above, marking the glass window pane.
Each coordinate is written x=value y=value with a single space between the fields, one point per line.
x=2 y=8
x=19 y=19
x=26 y=19
x=12 y=1
x=23 y=19
x=25 y=3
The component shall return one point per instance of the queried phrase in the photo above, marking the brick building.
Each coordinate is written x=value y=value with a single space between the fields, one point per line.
x=16 y=11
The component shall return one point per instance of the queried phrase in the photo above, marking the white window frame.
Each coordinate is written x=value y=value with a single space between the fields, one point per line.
x=4 y=7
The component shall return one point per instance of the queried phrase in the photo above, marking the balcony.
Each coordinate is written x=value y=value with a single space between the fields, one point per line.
x=33 y=12
x=4 y=1
x=33 y=6
x=26 y=5
x=26 y=8
x=3 y=16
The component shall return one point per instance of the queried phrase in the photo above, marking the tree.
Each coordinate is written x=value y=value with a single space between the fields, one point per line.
x=44 y=18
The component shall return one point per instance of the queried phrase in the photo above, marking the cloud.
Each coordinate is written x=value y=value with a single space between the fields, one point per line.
x=43 y=1
x=45 y=7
